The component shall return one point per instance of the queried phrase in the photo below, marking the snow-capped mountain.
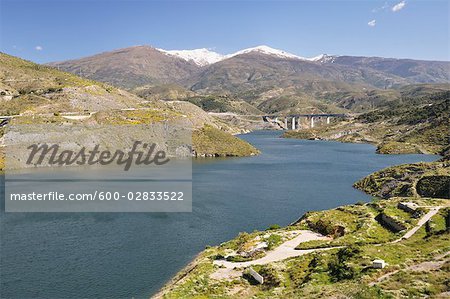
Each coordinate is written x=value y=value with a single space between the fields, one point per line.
x=204 y=57
x=268 y=51
x=255 y=68
x=201 y=57
x=323 y=58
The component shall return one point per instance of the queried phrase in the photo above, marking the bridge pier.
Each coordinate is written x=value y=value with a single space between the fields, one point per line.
x=296 y=120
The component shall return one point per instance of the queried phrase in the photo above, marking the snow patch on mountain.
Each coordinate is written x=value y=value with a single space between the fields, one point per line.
x=204 y=57
x=200 y=57
x=268 y=51
x=323 y=58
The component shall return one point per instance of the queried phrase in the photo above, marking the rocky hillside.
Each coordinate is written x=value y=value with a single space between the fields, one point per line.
x=131 y=67
x=28 y=88
x=418 y=71
x=419 y=179
x=32 y=94
x=409 y=124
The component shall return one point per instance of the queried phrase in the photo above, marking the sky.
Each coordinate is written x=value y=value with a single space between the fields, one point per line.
x=55 y=30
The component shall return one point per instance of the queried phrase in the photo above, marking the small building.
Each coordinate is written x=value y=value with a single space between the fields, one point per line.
x=378 y=264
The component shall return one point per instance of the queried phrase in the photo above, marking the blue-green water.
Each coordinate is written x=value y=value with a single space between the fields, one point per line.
x=125 y=255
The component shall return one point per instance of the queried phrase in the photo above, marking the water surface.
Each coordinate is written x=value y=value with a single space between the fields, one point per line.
x=126 y=255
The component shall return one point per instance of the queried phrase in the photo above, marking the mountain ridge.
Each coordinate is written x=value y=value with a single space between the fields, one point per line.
x=200 y=55
x=271 y=80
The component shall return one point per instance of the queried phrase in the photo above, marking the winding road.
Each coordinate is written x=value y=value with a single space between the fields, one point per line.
x=287 y=249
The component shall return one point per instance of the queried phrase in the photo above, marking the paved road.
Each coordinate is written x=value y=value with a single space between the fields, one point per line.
x=284 y=251
x=421 y=222
x=287 y=249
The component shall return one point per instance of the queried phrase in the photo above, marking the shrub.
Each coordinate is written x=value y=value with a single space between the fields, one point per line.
x=273 y=241
x=339 y=268
x=273 y=226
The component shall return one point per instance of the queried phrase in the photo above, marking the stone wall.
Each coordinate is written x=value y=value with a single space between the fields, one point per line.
x=390 y=223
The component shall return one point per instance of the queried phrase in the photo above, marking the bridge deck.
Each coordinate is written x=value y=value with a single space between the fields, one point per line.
x=308 y=115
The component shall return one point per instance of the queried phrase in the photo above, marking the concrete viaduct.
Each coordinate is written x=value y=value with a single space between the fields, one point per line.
x=294 y=121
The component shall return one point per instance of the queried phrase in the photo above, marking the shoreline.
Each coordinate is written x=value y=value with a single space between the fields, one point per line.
x=190 y=266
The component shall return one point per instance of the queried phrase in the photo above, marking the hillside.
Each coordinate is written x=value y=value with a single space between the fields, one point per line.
x=410 y=124
x=29 y=88
x=32 y=93
x=418 y=71
x=330 y=254
x=420 y=179
x=131 y=67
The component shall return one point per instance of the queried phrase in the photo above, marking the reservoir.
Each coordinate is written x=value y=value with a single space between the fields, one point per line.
x=131 y=255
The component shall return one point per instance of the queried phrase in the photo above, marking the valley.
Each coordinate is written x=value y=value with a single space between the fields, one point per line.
x=400 y=106
x=236 y=88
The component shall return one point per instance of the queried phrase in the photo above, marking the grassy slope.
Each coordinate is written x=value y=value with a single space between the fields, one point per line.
x=42 y=89
x=209 y=141
x=334 y=273
x=410 y=125
x=41 y=94
x=342 y=272
x=401 y=180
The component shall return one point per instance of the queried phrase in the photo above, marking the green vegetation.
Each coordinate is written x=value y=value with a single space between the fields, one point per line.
x=42 y=89
x=133 y=117
x=219 y=103
x=300 y=134
x=42 y=94
x=273 y=241
x=212 y=142
x=407 y=124
x=401 y=180
x=342 y=267
x=273 y=227
x=353 y=224
x=210 y=103
x=163 y=92
x=339 y=268
x=436 y=186
x=340 y=272
x=395 y=147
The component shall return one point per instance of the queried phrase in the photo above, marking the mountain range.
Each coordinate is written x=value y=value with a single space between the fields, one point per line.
x=269 y=79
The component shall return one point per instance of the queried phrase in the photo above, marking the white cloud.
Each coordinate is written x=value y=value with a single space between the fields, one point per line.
x=372 y=23
x=38 y=48
x=398 y=6
x=384 y=7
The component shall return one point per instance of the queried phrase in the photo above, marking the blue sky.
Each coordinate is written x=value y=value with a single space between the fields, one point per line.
x=44 y=31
